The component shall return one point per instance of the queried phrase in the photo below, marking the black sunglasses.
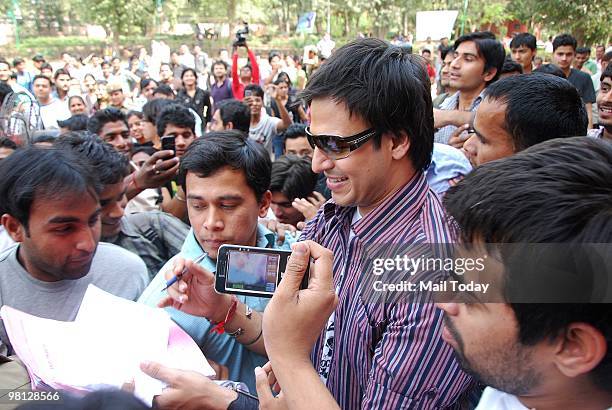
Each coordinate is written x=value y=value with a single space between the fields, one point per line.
x=339 y=147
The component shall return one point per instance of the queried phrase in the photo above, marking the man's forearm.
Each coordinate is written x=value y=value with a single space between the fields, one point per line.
x=301 y=384
x=252 y=336
x=589 y=109
x=442 y=118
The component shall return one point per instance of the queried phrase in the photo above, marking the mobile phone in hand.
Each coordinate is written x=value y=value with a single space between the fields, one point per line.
x=168 y=143
x=251 y=271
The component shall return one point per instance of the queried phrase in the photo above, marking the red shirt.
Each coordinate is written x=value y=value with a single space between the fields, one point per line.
x=237 y=86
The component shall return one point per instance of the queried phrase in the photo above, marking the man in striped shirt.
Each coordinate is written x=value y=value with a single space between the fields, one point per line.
x=375 y=97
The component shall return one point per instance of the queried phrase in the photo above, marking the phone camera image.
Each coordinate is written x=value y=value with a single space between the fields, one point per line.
x=252 y=272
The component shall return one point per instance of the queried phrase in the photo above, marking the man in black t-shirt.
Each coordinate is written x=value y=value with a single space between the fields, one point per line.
x=564 y=51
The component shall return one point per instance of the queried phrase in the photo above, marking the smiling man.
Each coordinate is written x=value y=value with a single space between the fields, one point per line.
x=111 y=125
x=604 y=106
x=49 y=205
x=537 y=355
x=521 y=111
x=478 y=60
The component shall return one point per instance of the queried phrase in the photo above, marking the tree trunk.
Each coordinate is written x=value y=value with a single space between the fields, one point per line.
x=347 y=28
x=116 y=40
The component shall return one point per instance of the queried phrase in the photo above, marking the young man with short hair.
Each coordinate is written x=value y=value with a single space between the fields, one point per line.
x=51 y=109
x=538 y=347
x=249 y=74
x=524 y=50
x=564 y=52
x=49 y=204
x=293 y=196
x=264 y=127
x=604 y=106
x=231 y=114
x=479 y=58
x=111 y=125
x=221 y=89
x=61 y=80
x=226 y=178
x=521 y=111
x=583 y=61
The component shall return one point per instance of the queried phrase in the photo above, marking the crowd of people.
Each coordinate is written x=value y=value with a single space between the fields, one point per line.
x=129 y=174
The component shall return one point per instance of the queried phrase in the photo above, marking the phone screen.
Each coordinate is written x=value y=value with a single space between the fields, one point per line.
x=252 y=272
x=248 y=93
x=167 y=143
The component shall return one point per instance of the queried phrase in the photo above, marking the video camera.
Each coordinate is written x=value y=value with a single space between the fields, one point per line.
x=241 y=35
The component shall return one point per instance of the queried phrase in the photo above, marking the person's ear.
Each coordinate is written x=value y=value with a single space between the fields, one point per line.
x=582 y=349
x=489 y=74
x=14 y=228
x=400 y=145
x=264 y=204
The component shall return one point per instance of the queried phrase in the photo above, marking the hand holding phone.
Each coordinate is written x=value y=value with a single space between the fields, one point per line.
x=251 y=271
x=168 y=143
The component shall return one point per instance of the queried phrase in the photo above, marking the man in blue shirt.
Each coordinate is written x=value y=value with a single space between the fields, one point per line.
x=226 y=178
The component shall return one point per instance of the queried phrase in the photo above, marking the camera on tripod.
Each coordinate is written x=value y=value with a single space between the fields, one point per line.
x=241 y=35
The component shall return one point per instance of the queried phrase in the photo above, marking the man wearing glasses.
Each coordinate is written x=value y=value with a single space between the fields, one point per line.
x=373 y=141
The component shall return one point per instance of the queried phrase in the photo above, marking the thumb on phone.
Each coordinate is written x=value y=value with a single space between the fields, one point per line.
x=296 y=267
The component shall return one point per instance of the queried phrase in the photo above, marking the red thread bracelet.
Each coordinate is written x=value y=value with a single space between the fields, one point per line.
x=220 y=327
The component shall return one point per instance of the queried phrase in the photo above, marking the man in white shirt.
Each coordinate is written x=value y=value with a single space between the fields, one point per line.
x=51 y=109
x=264 y=128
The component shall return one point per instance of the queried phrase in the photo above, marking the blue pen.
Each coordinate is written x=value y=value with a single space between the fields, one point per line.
x=184 y=271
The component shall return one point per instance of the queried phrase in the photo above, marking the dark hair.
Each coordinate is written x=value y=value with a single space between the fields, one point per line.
x=134 y=113
x=272 y=55
x=539 y=107
x=115 y=58
x=151 y=109
x=146 y=81
x=524 y=39
x=147 y=149
x=175 y=114
x=489 y=48
x=293 y=177
x=550 y=69
x=236 y=112
x=606 y=73
x=34 y=173
x=445 y=50
x=564 y=40
x=219 y=62
x=555 y=192
x=607 y=56
x=583 y=50
x=7 y=143
x=39 y=76
x=103 y=117
x=284 y=77
x=187 y=70
x=206 y=156
x=60 y=71
x=166 y=64
x=255 y=89
x=38 y=58
x=18 y=61
x=425 y=50
x=40 y=136
x=75 y=123
x=109 y=165
x=89 y=75
x=46 y=66
x=5 y=90
x=511 y=66
x=295 y=131
x=385 y=85
x=3 y=61
x=164 y=89
x=76 y=96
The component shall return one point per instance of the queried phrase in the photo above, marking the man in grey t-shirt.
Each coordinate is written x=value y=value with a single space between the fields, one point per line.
x=49 y=205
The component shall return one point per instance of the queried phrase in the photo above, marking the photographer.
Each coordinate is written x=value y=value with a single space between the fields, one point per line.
x=249 y=74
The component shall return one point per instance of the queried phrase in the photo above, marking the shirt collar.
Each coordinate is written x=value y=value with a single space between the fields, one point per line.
x=406 y=202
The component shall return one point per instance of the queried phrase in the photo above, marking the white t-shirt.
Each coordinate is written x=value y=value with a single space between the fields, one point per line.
x=53 y=112
x=265 y=131
x=498 y=400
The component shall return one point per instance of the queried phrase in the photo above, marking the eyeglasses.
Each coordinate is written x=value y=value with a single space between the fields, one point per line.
x=336 y=146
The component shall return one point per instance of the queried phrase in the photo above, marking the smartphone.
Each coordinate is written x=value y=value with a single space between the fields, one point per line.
x=251 y=271
x=167 y=143
x=248 y=93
